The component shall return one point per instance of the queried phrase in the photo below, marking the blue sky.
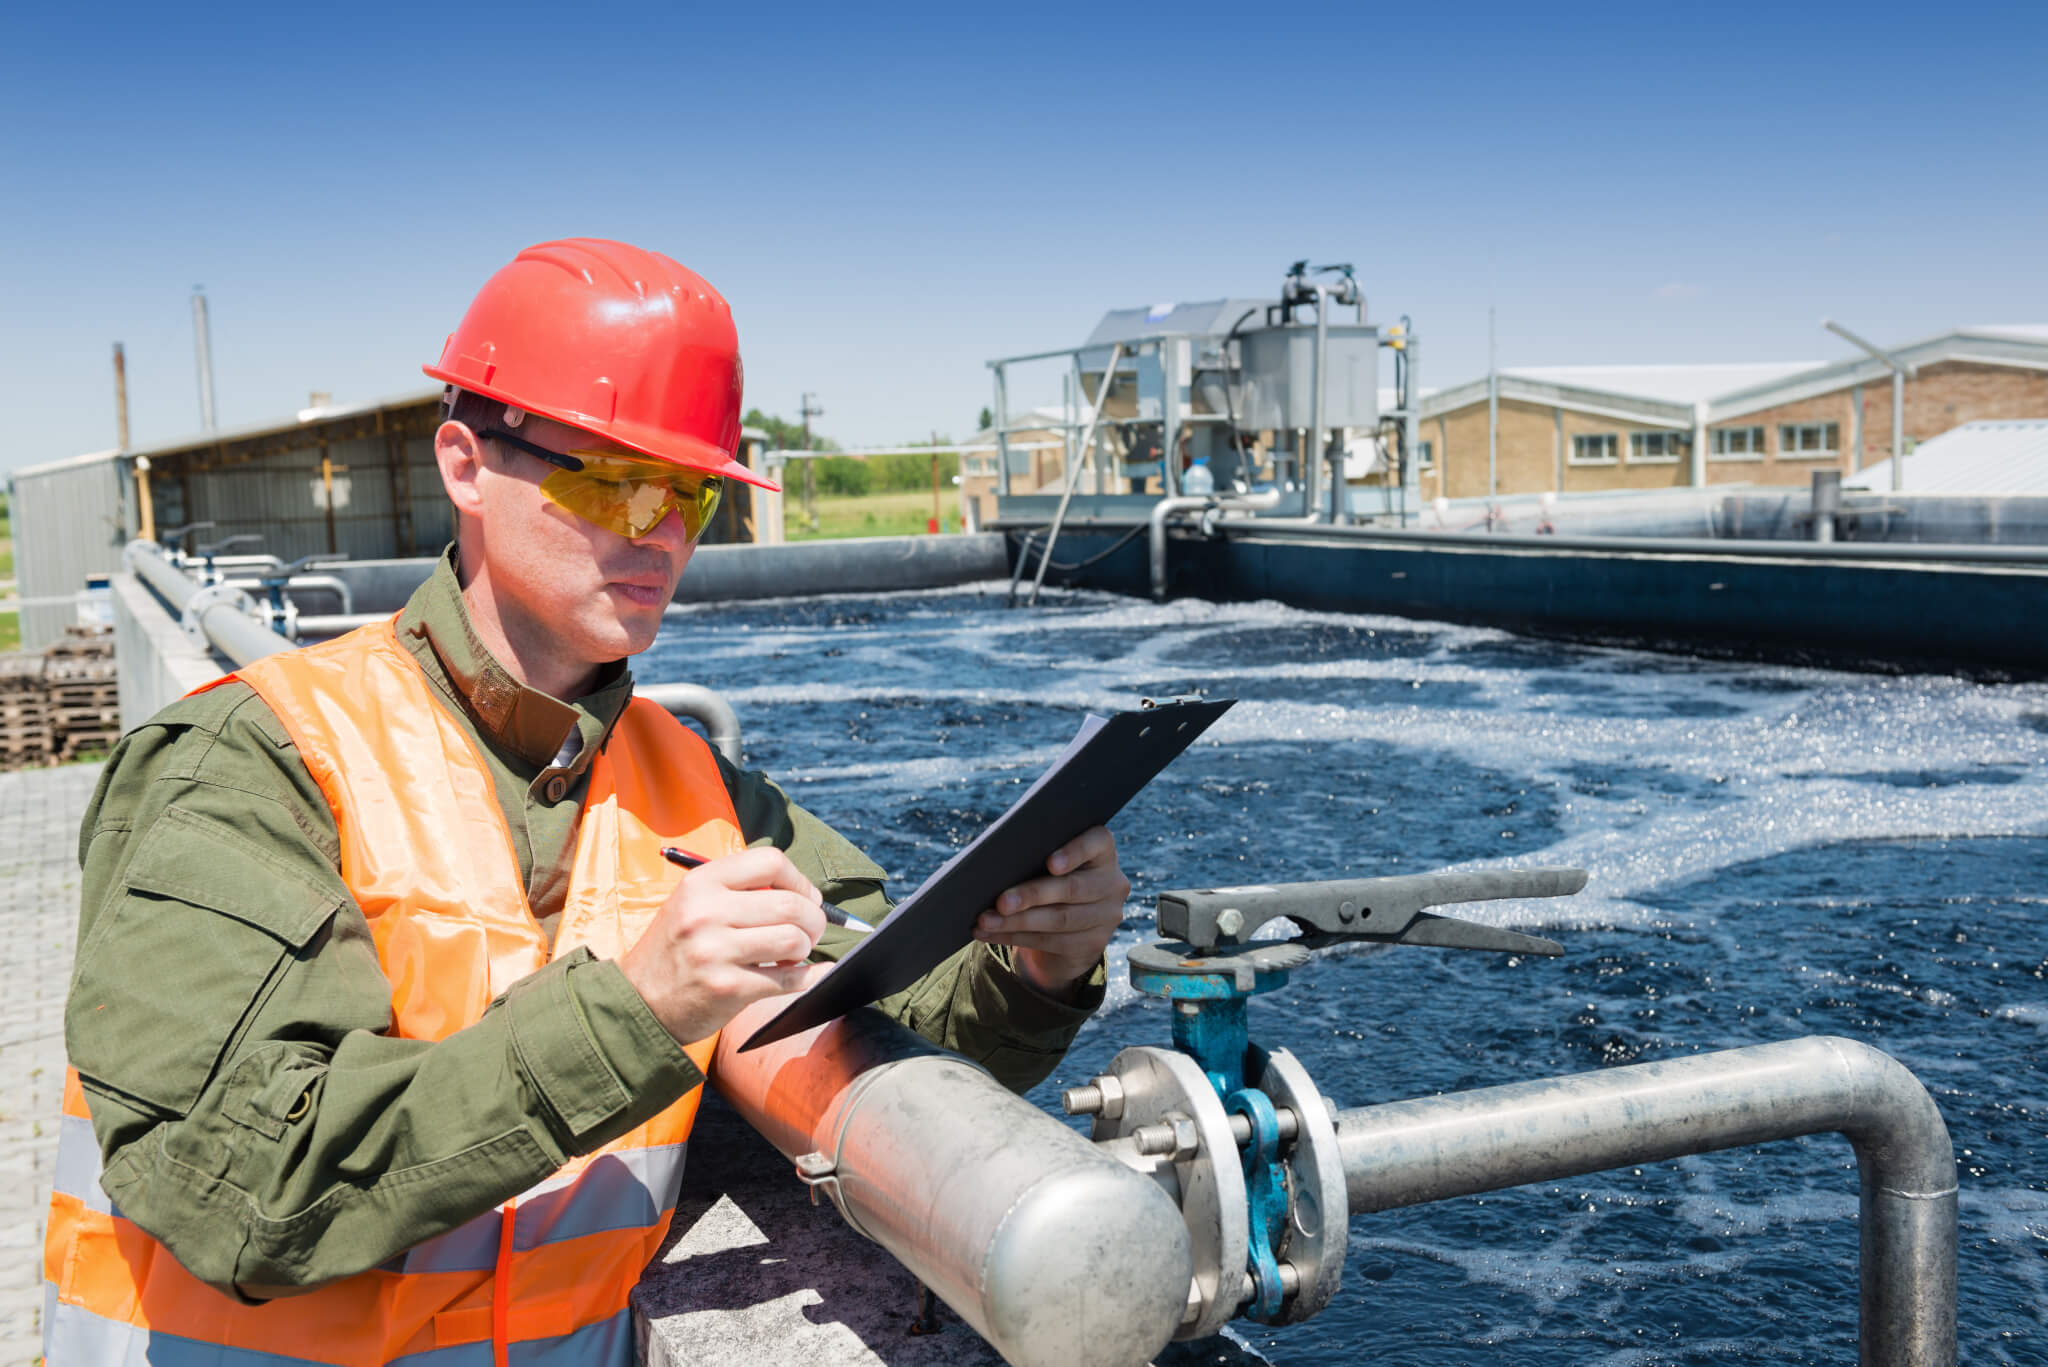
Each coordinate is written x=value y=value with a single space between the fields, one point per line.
x=890 y=195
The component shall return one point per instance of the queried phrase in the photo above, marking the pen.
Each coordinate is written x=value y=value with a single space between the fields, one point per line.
x=684 y=859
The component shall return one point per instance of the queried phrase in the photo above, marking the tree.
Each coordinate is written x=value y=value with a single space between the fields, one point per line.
x=988 y=420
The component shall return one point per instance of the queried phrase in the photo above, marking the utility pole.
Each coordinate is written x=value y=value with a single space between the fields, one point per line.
x=202 y=341
x=809 y=410
x=1492 y=425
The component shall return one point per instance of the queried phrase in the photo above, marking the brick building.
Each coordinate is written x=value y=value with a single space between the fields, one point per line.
x=1587 y=428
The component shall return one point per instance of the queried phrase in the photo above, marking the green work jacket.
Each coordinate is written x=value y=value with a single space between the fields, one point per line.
x=233 y=1089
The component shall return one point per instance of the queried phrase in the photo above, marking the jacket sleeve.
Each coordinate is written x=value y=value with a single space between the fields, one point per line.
x=974 y=1003
x=226 y=1019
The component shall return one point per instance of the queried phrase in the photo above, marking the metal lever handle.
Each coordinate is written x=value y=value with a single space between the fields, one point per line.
x=1389 y=910
x=282 y=574
x=243 y=539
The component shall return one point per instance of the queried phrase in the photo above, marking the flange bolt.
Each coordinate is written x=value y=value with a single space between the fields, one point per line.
x=1103 y=1097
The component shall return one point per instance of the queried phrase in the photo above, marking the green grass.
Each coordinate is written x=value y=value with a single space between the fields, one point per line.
x=899 y=514
x=10 y=622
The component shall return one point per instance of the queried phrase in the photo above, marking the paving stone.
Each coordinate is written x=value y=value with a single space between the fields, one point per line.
x=39 y=814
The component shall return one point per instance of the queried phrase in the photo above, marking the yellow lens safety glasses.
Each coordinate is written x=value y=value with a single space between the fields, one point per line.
x=631 y=497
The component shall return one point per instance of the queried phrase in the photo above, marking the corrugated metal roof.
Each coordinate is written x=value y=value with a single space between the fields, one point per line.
x=51 y=467
x=1670 y=383
x=2032 y=331
x=1976 y=458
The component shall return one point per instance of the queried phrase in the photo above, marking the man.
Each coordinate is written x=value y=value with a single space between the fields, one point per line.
x=388 y=1019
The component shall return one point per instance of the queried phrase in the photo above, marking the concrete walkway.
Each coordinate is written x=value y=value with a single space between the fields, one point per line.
x=39 y=814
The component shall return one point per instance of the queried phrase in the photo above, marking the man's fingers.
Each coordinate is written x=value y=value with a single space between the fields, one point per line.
x=1061 y=918
x=763 y=867
x=1089 y=885
x=1092 y=846
x=1052 y=942
x=784 y=944
x=750 y=907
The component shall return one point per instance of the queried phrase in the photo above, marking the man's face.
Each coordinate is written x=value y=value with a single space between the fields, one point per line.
x=592 y=594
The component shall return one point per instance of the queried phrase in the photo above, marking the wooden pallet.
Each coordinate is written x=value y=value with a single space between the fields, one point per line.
x=98 y=740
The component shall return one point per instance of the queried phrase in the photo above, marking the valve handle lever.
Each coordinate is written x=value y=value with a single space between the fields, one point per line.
x=1383 y=910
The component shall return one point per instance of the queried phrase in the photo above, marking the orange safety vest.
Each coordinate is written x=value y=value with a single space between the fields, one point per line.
x=425 y=850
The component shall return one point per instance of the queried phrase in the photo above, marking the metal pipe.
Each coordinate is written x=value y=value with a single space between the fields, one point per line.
x=223 y=617
x=704 y=706
x=1825 y=503
x=1411 y=428
x=1898 y=430
x=1002 y=417
x=1492 y=420
x=1056 y=1253
x=1899 y=373
x=1072 y=479
x=1431 y=1148
x=1167 y=508
x=333 y=584
x=325 y=624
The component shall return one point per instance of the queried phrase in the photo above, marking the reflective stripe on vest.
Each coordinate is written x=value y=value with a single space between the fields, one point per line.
x=427 y=855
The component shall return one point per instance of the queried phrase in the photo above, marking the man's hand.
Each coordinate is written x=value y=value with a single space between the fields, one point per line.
x=732 y=932
x=1060 y=925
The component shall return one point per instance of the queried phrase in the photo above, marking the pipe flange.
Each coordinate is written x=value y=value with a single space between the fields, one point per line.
x=1319 y=1213
x=192 y=620
x=1158 y=1083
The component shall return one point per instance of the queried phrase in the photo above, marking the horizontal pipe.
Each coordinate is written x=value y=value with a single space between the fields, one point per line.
x=1056 y=1253
x=1431 y=1148
x=704 y=706
x=322 y=625
x=1167 y=509
x=227 y=627
x=2034 y=557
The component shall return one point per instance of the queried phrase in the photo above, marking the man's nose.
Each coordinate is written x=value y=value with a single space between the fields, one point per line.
x=670 y=533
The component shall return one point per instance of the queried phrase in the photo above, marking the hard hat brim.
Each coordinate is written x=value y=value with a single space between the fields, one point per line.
x=672 y=448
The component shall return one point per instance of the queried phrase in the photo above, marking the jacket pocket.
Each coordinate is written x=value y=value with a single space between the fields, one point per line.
x=204 y=920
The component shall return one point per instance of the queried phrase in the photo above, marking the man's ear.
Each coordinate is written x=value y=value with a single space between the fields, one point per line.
x=461 y=457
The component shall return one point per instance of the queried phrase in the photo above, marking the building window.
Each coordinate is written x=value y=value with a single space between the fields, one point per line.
x=1658 y=448
x=1425 y=455
x=1737 y=443
x=1808 y=440
x=1597 y=449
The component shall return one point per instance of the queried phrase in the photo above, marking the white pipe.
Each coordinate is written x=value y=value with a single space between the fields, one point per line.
x=1056 y=1253
x=706 y=706
x=1168 y=508
x=1409 y=1152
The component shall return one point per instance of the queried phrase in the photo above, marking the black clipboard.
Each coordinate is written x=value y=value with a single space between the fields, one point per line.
x=1104 y=767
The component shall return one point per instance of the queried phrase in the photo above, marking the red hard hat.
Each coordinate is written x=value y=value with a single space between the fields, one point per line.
x=623 y=343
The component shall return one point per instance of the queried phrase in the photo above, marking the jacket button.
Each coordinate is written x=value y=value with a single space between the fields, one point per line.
x=557 y=786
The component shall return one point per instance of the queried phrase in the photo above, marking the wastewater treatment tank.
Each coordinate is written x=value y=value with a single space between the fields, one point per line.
x=1775 y=852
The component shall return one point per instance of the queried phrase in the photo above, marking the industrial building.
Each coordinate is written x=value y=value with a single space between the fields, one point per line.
x=1577 y=429
x=356 y=480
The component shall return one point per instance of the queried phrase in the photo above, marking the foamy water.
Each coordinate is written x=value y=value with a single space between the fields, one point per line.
x=1774 y=852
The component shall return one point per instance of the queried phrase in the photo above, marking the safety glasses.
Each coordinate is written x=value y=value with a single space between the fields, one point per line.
x=620 y=494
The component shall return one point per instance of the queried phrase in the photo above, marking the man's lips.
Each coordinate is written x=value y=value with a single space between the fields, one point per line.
x=642 y=589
